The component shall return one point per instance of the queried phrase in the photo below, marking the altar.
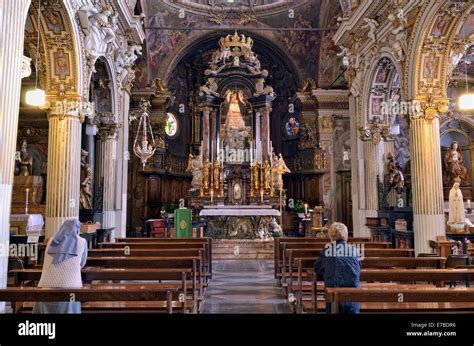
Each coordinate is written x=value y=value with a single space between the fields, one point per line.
x=237 y=177
x=240 y=222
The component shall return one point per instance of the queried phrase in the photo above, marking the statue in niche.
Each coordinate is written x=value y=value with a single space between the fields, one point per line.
x=454 y=165
x=86 y=182
x=457 y=216
x=235 y=105
x=279 y=169
x=195 y=167
x=24 y=161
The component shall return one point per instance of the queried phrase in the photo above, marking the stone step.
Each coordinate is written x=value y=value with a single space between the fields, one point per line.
x=243 y=256
x=247 y=249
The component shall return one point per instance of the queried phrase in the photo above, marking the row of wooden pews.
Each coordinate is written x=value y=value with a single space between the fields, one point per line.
x=145 y=275
x=392 y=280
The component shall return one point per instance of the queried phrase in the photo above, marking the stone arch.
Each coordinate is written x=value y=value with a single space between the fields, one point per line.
x=170 y=64
x=430 y=47
x=370 y=80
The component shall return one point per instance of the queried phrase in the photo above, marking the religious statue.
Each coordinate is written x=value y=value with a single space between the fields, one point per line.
x=210 y=88
x=457 y=214
x=372 y=24
x=24 y=161
x=396 y=179
x=454 y=165
x=98 y=27
x=235 y=104
x=195 y=167
x=261 y=89
x=86 y=182
x=280 y=168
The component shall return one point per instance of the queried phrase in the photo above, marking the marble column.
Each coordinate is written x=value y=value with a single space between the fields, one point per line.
x=265 y=133
x=64 y=164
x=213 y=135
x=107 y=170
x=258 y=141
x=427 y=183
x=370 y=173
x=123 y=157
x=205 y=133
x=12 y=32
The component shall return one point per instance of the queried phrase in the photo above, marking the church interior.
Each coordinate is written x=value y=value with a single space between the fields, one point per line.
x=208 y=153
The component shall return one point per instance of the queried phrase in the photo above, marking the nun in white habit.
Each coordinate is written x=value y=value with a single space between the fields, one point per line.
x=66 y=255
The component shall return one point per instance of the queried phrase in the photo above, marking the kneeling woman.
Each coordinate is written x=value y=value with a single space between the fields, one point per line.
x=66 y=255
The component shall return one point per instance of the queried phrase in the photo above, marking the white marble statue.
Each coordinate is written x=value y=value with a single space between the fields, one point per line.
x=457 y=216
x=261 y=89
x=372 y=25
x=195 y=167
x=210 y=88
x=98 y=27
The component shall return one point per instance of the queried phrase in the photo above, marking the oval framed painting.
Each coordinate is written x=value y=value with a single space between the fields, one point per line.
x=171 y=125
x=292 y=126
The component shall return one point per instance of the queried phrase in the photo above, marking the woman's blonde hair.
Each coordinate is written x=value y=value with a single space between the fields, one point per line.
x=338 y=231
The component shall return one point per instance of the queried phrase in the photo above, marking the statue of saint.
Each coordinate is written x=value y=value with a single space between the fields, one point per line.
x=454 y=165
x=24 y=161
x=195 y=167
x=86 y=182
x=235 y=104
x=457 y=215
x=280 y=169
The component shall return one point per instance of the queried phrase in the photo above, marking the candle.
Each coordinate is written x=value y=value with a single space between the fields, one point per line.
x=26 y=201
x=306 y=208
x=468 y=203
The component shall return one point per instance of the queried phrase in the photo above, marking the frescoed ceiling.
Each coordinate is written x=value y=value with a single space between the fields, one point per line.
x=265 y=19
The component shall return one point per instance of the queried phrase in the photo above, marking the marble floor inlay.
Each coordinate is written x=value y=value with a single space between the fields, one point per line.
x=244 y=286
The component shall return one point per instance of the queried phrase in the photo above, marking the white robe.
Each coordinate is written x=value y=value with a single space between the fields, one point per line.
x=456 y=207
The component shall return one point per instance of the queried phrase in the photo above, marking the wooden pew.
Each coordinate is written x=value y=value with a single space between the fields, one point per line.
x=446 y=298
x=207 y=261
x=303 y=286
x=288 y=255
x=283 y=246
x=178 y=277
x=93 y=293
x=437 y=276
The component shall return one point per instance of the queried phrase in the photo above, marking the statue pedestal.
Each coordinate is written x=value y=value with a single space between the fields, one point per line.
x=34 y=184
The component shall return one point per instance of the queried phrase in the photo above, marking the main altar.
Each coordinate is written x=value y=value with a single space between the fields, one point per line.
x=237 y=181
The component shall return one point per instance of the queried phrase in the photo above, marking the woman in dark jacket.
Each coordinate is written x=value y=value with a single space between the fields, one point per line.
x=339 y=265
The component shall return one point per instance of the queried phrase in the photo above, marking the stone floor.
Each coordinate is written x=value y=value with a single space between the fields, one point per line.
x=244 y=286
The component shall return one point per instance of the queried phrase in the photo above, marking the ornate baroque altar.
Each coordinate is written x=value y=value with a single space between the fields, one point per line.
x=237 y=178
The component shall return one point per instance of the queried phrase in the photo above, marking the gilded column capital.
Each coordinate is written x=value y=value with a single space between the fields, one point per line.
x=429 y=108
x=73 y=107
x=375 y=133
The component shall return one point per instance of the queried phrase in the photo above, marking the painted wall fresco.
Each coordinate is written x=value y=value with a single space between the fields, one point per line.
x=302 y=47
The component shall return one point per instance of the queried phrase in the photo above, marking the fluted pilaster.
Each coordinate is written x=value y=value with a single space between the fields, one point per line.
x=64 y=156
x=12 y=24
x=370 y=166
x=427 y=183
x=106 y=170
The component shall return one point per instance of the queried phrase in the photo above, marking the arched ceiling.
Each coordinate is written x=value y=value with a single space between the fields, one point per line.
x=200 y=20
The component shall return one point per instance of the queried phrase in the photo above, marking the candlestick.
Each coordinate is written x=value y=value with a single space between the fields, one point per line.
x=305 y=209
x=26 y=201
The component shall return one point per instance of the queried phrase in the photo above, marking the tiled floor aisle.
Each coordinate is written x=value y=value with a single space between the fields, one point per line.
x=244 y=286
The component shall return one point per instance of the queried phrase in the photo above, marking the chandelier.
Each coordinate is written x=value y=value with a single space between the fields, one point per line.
x=144 y=144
